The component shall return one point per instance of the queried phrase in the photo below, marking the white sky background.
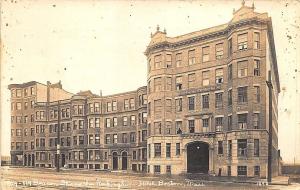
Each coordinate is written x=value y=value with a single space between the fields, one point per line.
x=93 y=45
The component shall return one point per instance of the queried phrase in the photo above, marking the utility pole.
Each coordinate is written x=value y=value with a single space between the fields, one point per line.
x=58 y=138
x=270 y=87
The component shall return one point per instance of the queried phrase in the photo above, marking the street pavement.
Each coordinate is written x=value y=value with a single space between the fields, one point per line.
x=33 y=178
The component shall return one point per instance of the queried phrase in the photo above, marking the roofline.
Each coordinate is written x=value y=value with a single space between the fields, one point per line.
x=26 y=84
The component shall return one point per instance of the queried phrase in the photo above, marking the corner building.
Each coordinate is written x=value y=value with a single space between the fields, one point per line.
x=204 y=110
x=208 y=98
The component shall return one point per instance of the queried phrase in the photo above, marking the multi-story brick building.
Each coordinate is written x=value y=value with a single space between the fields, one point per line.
x=204 y=110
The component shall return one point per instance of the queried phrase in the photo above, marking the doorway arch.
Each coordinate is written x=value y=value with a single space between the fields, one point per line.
x=115 y=161
x=198 y=157
x=124 y=160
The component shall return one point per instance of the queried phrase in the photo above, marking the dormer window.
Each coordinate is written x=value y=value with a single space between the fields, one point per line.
x=242 y=41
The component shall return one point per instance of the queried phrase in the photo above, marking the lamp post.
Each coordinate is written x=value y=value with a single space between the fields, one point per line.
x=270 y=87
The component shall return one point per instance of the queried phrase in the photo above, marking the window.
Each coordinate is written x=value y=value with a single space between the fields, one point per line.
x=74 y=140
x=219 y=76
x=18 y=106
x=242 y=94
x=242 y=170
x=257 y=93
x=242 y=147
x=108 y=106
x=205 y=54
x=205 y=78
x=134 y=155
x=219 y=124
x=132 y=137
x=256 y=120
x=157 y=105
x=81 y=123
x=18 y=119
x=132 y=103
x=81 y=155
x=91 y=123
x=125 y=120
x=68 y=141
x=168 y=127
x=157 y=149
x=230 y=97
x=179 y=85
x=191 y=124
x=74 y=124
x=25 y=105
x=25 y=119
x=157 y=169
x=168 y=169
x=97 y=139
x=132 y=120
x=178 y=59
x=229 y=148
x=144 y=117
x=124 y=137
x=256 y=170
x=219 y=100
x=205 y=101
x=80 y=109
x=144 y=135
x=107 y=122
x=107 y=139
x=168 y=105
x=205 y=125
x=242 y=121
x=32 y=103
x=157 y=62
x=32 y=92
x=114 y=106
x=220 y=147
x=242 y=41
x=81 y=140
x=256 y=44
x=115 y=138
x=168 y=83
x=229 y=123
x=115 y=121
x=191 y=80
x=177 y=149
x=192 y=59
x=31 y=131
x=169 y=60
x=256 y=147
x=242 y=69
x=219 y=51
x=191 y=103
x=157 y=84
x=178 y=127
x=19 y=92
x=97 y=122
x=178 y=103
x=91 y=139
x=157 y=127
x=229 y=72
x=168 y=150
x=256 y=70
x=230 y=46
x=18 y=132
x=97 y=107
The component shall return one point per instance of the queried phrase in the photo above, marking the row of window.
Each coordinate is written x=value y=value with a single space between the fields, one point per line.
x=123 y=137
x=20 y=119
x=242 y=148
x=242 y=124
x=242 y=71
x=18 y=105
x=242 y=44
x=26 y=92
x=242 y=97
x=157 y=150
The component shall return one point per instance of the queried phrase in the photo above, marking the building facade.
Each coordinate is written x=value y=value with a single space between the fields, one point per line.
x=204 y=110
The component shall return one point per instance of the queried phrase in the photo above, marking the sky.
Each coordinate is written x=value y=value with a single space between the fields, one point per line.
x=99 y=45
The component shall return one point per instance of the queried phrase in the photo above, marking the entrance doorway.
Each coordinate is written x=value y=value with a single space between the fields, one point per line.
x=25 y=160
x=197 y=157
x=29 y=160
x=63 y=160
x=115 y=161
x=32 y=157
x=124 y=161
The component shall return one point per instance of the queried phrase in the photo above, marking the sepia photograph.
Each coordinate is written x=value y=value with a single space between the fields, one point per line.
x=145 y=94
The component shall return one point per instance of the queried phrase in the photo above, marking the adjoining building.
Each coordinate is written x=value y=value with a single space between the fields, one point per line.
x=204 y=110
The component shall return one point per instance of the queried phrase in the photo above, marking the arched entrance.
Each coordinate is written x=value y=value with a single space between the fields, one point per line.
x=124 y=161
x=115 y=161
x=197 y=157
